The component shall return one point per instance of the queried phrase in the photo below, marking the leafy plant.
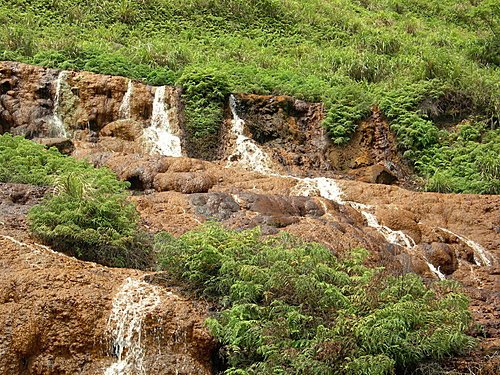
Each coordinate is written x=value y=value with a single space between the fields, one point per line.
x=286 y=306
x=204 y=93
x=86 y=215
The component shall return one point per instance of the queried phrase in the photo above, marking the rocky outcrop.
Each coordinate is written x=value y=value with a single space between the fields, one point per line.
x=289 y=130
x=59 y=315
x=83 y=113
x=55 y=318
x=110 y=111
x=371 y=155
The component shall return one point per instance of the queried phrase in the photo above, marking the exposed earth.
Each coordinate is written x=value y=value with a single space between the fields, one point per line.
x=343 y=197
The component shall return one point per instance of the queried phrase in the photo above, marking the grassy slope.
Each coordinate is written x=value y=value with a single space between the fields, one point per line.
x=425 y=62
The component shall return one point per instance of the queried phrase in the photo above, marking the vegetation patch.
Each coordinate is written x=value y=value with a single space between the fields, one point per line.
x=406 y=56
x=86 y=215
x=289 y=307
x=204 y=93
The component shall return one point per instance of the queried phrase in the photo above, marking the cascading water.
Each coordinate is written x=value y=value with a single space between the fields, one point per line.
x=247 y=153
x=329 y=189
x=392 y=236
x=158 y=136
x=481 y=255
x=124 y=110
x=135 y=300
x=57 y=123
x=434 y=270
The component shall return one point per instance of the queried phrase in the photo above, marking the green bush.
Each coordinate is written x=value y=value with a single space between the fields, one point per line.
x=86 y=214
x=205 y=91
x=286 y=306
x=26 y=162
x=90 y=223
x=464 y=162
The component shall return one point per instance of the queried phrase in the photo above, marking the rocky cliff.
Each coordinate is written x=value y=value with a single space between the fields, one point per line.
x=115 y=114
x=274 y=168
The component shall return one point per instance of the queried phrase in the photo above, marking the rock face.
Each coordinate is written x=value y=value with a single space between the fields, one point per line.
x=86 y=107
x=82 y=113
x=59 y=315
x=288 y=130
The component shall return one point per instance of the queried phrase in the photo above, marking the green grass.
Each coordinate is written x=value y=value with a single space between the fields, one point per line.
x=289 y=307
x=87 y=214
x=349 y=54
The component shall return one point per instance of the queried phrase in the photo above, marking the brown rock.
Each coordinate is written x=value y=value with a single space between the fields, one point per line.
x=441 y=255
x=184 y=182
x=63 y=145
x=375 y=174
x=400 y=219
x=371 y=155
x=128 y=130
x=54 y=314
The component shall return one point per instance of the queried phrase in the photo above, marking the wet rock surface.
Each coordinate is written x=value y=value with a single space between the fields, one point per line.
x=102 y=113
x=288 y=129
x=55 y=310
x=245 y=200
x=94 y=110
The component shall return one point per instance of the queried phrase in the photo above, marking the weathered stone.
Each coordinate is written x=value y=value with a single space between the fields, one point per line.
x=54 y=313
x=441 y=255
x=63 y=145
x=375 y=174
x=128 y=130
x=184 y=182
x=220 y=206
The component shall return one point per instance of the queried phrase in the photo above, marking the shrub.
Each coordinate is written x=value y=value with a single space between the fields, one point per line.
x=462 y=165
x=26 y=162
x=90 y=223
x=440 y=182
x=86 y=215
x=204 y=93
x=286 y=306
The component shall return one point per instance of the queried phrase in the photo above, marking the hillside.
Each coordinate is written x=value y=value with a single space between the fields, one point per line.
x=249 y=187
x=430 y=66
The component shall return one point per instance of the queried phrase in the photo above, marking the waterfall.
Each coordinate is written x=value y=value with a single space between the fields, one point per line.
x=329 y=189
x=56 y=121
x=135 y=300
x=396 y=237
x=158 y=136
x=124 y=110
x=247 y=153
x=481 y=255
x=322 y=186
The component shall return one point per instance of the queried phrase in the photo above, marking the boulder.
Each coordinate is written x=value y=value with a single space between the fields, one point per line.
x=184 y=182
x=64 y=145
x=441 y=255
x=128 y=130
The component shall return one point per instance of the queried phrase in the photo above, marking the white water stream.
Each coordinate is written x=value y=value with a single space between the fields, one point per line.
x=158 y=136
x=481 y=255
x=135 y=300
x=246 y=153
x=56 y=121
x=249 y=155
x=124 y=110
